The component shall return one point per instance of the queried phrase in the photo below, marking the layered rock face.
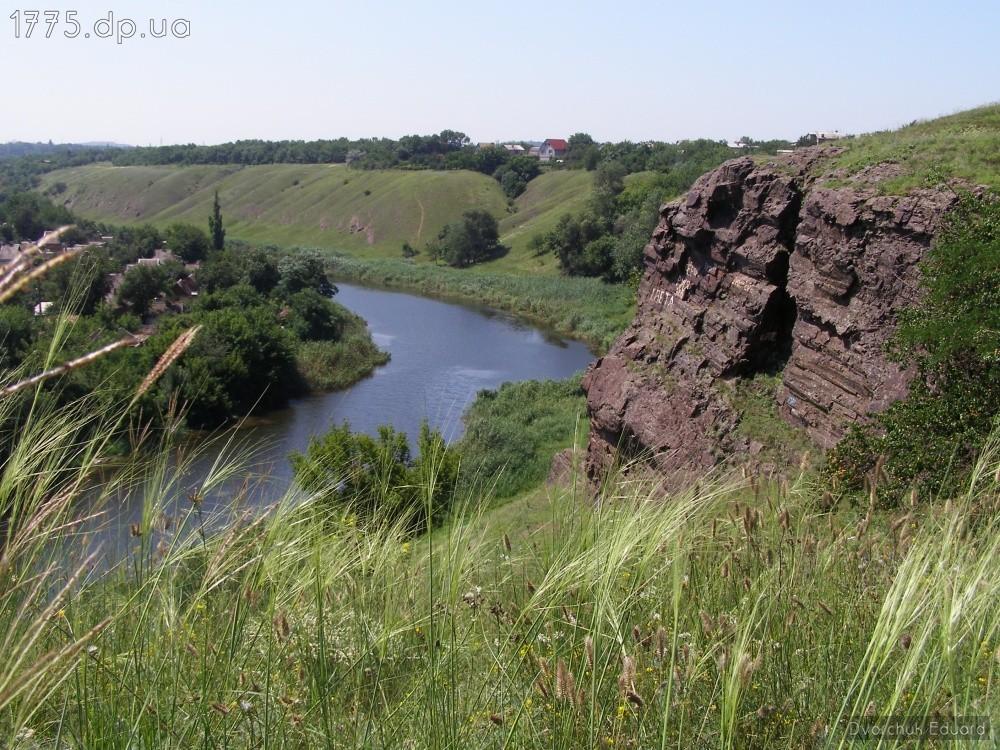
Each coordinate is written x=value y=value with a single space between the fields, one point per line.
x=760 y=268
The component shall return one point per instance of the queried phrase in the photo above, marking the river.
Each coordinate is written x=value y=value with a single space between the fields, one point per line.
x=443 y=354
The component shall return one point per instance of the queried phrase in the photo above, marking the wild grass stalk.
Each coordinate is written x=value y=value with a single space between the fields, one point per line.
x=740 y=613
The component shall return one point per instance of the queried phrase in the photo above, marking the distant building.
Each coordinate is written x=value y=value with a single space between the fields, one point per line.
x=822 y=136
x=51 y=246
x=515 y=149
x=738 y=144
x=161 y=256
x=42 y=308
x=187 y=286
x=9 y=253
x=552 y=148
x=535 y=151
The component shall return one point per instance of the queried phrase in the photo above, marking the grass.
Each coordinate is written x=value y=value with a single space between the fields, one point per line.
x=755 y=400
x=965 y=146
x=512 y=433
x=736 y=614
x=578 y=307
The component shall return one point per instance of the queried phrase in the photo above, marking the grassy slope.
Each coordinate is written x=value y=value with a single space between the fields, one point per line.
x=322 y=205
x=965 y=145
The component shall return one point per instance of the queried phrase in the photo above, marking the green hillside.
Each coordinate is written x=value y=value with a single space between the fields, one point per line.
x=965 y=146
x=364 y=213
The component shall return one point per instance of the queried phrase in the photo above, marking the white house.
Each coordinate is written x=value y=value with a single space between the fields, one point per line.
x=552 y=148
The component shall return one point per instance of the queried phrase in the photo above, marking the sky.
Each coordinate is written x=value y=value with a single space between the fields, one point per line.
x=631 y=69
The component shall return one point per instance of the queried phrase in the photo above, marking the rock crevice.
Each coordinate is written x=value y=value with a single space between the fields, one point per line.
x=757 y=269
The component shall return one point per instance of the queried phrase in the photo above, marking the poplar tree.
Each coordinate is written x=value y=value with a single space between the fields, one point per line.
x=215 y=227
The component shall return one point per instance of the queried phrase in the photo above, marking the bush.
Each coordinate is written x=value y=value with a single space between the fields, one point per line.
x=377 y=477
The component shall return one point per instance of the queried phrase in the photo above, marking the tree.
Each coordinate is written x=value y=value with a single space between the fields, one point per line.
x=304 y=270
x=16 y=335
x=409 y=251
x=515 y=175
x=315 y=317
x=241 y=360
x=473 y=239
x=141 y=286
x=189 y=243
x=582 y=151
x=215 y=227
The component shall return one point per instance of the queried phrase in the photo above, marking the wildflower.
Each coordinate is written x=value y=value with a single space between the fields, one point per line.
x=405 y=547
x=497 y=718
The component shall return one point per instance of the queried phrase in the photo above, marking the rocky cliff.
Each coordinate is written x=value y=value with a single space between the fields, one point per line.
x=761 y=268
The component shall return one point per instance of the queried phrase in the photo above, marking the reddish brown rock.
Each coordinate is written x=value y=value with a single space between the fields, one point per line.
x=758 y=265
x=853 y=269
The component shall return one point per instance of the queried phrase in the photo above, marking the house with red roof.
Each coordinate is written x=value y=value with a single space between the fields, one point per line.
x=552 y=148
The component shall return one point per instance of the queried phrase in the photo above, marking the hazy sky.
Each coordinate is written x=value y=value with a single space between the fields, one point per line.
x=632 y=69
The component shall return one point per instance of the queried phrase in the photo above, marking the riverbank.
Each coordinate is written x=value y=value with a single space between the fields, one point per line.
x=581 y=308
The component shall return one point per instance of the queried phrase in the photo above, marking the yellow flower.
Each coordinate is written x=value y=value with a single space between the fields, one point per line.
x=621 y=710
x=406 y=548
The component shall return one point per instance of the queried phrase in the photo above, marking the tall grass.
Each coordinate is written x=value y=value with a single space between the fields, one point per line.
x=739 y=613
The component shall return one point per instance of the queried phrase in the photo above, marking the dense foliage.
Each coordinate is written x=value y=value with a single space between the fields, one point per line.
x=378 y=477
x=473 y=239
x=608 y=237
x=952 y=339
x=268 y=329
x=24 y=216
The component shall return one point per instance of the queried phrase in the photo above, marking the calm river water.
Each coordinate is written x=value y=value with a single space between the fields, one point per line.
x=443 y=354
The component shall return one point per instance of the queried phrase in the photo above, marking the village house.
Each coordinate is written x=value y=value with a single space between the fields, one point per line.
x=9 y=253
x=822 y=136
x=515 y=149
x=161 y=256
x=552 y=148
